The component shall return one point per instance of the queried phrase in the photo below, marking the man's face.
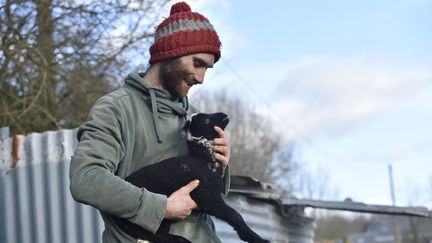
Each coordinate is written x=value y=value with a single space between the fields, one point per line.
x=180 y=74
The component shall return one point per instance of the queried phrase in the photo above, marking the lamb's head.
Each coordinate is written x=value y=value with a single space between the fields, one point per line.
x=199 y=132
x=202 y=124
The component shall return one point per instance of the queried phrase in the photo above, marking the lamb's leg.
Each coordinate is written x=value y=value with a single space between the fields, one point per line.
x=223 y=211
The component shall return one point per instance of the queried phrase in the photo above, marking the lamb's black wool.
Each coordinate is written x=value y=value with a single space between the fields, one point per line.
x=169 y=175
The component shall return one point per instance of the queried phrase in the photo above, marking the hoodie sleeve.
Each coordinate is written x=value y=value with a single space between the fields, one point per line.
x=92 y=171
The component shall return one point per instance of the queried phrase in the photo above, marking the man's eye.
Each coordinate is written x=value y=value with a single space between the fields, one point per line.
x=199 y=64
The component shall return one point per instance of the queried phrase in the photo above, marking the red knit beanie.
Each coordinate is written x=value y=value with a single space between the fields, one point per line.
x=184 y=32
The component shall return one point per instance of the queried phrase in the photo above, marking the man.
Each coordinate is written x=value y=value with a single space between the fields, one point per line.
x=140 y=124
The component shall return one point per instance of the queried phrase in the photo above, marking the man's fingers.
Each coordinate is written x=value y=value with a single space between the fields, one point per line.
x=191 y=186
x=221 y=149
x=219 y=131
x=222 y=141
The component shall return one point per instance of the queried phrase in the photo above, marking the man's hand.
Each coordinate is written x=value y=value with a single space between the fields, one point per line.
x=221 y=148
x=180 y=204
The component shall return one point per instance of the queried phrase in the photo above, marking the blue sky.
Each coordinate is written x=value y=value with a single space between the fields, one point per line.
x=349 y=81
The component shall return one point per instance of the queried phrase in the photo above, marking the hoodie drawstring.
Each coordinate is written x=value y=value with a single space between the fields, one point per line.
x=155 y=114
x=161 y=101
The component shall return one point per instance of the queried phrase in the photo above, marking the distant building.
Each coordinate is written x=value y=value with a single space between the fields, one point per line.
x=383 y=230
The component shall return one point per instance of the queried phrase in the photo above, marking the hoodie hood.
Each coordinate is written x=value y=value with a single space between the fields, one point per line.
x=161 y=101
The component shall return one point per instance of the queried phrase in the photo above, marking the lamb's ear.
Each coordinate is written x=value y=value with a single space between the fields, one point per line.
x=186 y=126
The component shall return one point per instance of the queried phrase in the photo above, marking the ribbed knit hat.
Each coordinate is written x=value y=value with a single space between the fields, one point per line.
x=184 y=32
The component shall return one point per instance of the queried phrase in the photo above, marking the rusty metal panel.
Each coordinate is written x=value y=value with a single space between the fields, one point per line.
x=36 y=204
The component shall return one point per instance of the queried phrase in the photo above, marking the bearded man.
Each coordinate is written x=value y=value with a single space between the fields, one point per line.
x=140 y=124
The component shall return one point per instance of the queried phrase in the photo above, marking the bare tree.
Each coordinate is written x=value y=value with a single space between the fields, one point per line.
x=57 y=57
x=316 y=185
x=334 y=226
x=257 y=149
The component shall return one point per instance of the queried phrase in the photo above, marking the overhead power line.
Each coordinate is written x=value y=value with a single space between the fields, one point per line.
x=280 y=118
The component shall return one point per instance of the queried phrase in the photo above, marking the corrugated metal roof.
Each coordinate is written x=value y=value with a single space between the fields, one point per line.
x=255 y=189
x=358 y=207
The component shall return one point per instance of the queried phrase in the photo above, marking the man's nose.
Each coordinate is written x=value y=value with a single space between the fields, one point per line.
x=199 y=76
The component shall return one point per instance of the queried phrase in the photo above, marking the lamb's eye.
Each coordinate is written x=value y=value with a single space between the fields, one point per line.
x=207 y=121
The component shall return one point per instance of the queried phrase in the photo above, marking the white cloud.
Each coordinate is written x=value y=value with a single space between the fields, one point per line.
x=329 y=96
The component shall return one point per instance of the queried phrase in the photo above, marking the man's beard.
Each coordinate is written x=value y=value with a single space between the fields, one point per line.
x=172 y=74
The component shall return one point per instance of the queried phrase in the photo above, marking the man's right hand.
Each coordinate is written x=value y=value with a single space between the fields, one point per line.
x=180 y=204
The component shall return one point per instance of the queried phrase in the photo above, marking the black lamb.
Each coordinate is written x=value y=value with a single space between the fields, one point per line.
x=167 y=176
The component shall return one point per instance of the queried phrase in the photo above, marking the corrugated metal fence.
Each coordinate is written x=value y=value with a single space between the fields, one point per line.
x=36 y=205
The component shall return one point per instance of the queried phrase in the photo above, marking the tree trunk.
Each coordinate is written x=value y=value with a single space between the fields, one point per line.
x=46 y=82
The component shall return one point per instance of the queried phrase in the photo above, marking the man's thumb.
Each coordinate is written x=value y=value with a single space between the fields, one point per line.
x=192 y=185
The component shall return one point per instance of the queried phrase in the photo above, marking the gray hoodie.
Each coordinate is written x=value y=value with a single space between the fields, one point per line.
x=132 y=127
